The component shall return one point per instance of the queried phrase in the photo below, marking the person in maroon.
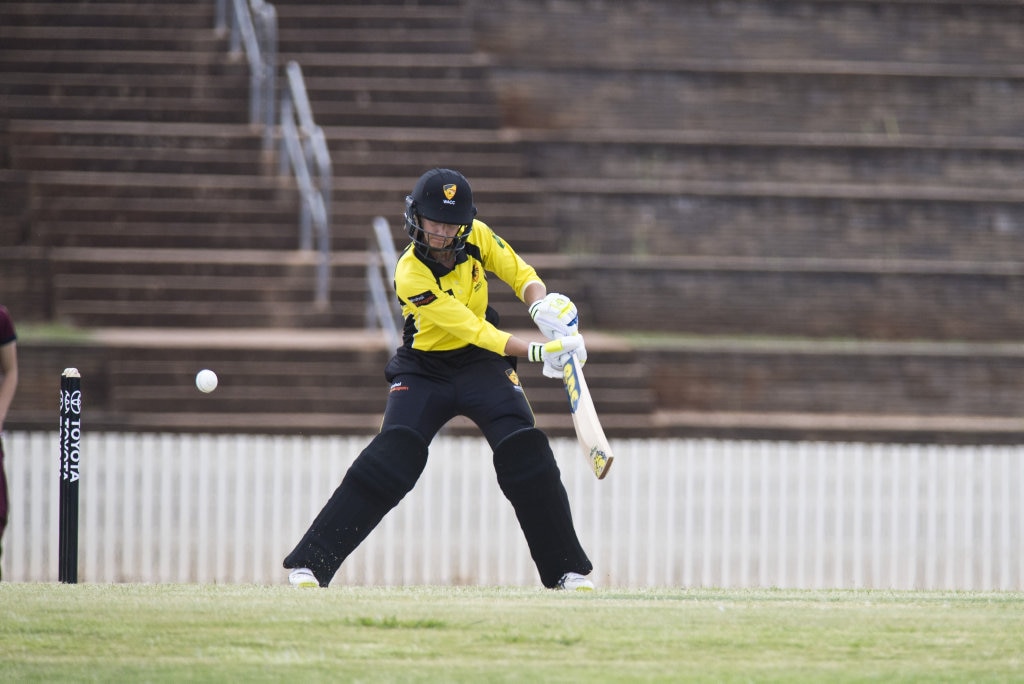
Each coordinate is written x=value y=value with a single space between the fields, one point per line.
x=8 y=383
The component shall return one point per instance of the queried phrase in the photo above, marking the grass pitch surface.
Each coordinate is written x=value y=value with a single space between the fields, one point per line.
x=165 y=633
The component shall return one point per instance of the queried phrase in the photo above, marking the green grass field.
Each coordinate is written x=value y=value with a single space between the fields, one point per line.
x=163 y=633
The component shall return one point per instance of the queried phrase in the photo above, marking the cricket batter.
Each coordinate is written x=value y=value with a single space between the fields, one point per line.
x=454 y=360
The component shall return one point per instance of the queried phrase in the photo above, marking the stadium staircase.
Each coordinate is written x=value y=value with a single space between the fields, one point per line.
x=140 y=206
x=813 y=206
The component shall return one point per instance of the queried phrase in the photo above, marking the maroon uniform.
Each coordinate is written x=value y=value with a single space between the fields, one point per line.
x=7 y=336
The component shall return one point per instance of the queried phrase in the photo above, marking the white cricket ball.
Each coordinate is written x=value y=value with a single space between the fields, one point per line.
x=206 y=380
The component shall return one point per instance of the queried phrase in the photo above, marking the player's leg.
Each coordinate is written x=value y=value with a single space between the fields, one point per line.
x=3 y=497
x=491 y=396
x=385 y=471
x=379 y=478
x=529 y=477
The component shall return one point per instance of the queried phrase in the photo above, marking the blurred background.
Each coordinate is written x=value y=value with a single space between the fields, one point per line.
x=796 y=219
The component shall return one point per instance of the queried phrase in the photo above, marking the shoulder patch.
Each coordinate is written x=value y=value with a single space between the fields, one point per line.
x=423 y=298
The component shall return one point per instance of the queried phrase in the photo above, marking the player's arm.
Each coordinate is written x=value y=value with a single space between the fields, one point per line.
x=534 y=292
x=439 y=315
x=554 y=314
x=438 y=309
x=9 y=382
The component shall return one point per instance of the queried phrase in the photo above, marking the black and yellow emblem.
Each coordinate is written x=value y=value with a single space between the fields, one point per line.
x=449 y=190
x=513 y=376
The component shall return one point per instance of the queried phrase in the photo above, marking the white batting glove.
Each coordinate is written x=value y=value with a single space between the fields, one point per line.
x=555 y=316
x=555 y=354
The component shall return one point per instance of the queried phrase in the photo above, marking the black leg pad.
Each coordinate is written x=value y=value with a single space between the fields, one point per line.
x=529 y=477
x=385 y=471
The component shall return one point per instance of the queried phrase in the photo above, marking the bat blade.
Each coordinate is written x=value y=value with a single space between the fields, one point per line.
x=584 y=418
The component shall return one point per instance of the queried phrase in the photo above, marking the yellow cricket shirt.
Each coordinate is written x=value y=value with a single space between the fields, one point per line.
x=445 y=310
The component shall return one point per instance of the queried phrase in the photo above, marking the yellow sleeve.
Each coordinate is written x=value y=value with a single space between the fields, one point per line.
x=503 y=261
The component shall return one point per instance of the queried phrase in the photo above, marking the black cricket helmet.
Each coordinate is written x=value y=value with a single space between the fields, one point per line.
x=441 y=195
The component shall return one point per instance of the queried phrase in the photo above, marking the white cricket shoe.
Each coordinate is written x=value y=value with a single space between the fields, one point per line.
x=574 y=581
x=302 y=577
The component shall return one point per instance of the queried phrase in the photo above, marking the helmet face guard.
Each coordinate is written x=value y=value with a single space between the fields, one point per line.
x=421 y=236
x=444 y=196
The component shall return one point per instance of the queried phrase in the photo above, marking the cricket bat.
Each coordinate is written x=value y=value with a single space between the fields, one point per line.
x=584 y=418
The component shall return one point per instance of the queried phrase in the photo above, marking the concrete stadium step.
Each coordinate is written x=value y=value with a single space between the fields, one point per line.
x=371 y=89
x=361 y=109
x=362 y=91
x=357 y=158
x=67 y=88
x=108 y=37
x=784 y=219
x=788 y=219
x=246 y=224
x=197 y=288
x=304 y=36
x=882 y=160
x=236 y=288
x=122 y=233
x=388 y=65
x=186 y=14
x=185 y=313
x=837 y=377
x=191 y=148
x=27 y=278
x=750 y=100
x=161 y=185
x=242 y=223
x=801 y=30
x=177 y=185
x=66 y=221
x=844 y=298
x=724 y=296
x=44 y=132
x=369 y=16
x=141 y=108
x=138 y=62
x=119 y=159
x=448 y=66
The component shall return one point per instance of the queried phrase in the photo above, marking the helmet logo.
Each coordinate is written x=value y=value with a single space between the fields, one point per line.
x=449 y=190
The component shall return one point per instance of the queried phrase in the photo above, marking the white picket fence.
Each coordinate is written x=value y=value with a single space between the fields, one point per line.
x=680 y=513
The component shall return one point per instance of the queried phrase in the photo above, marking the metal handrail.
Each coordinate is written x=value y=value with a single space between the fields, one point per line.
x=304 y=152
x=256 y=31
x=383 y=310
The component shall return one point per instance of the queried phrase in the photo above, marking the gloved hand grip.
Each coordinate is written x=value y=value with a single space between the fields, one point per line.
x=555 y=316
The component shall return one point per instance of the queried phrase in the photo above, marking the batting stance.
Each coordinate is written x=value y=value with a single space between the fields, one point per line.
x=454 y=360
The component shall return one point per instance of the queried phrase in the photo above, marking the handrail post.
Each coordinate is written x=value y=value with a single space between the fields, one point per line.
x=267 y=35
x=220 y=17
x=304 y=150
x=383 y=306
